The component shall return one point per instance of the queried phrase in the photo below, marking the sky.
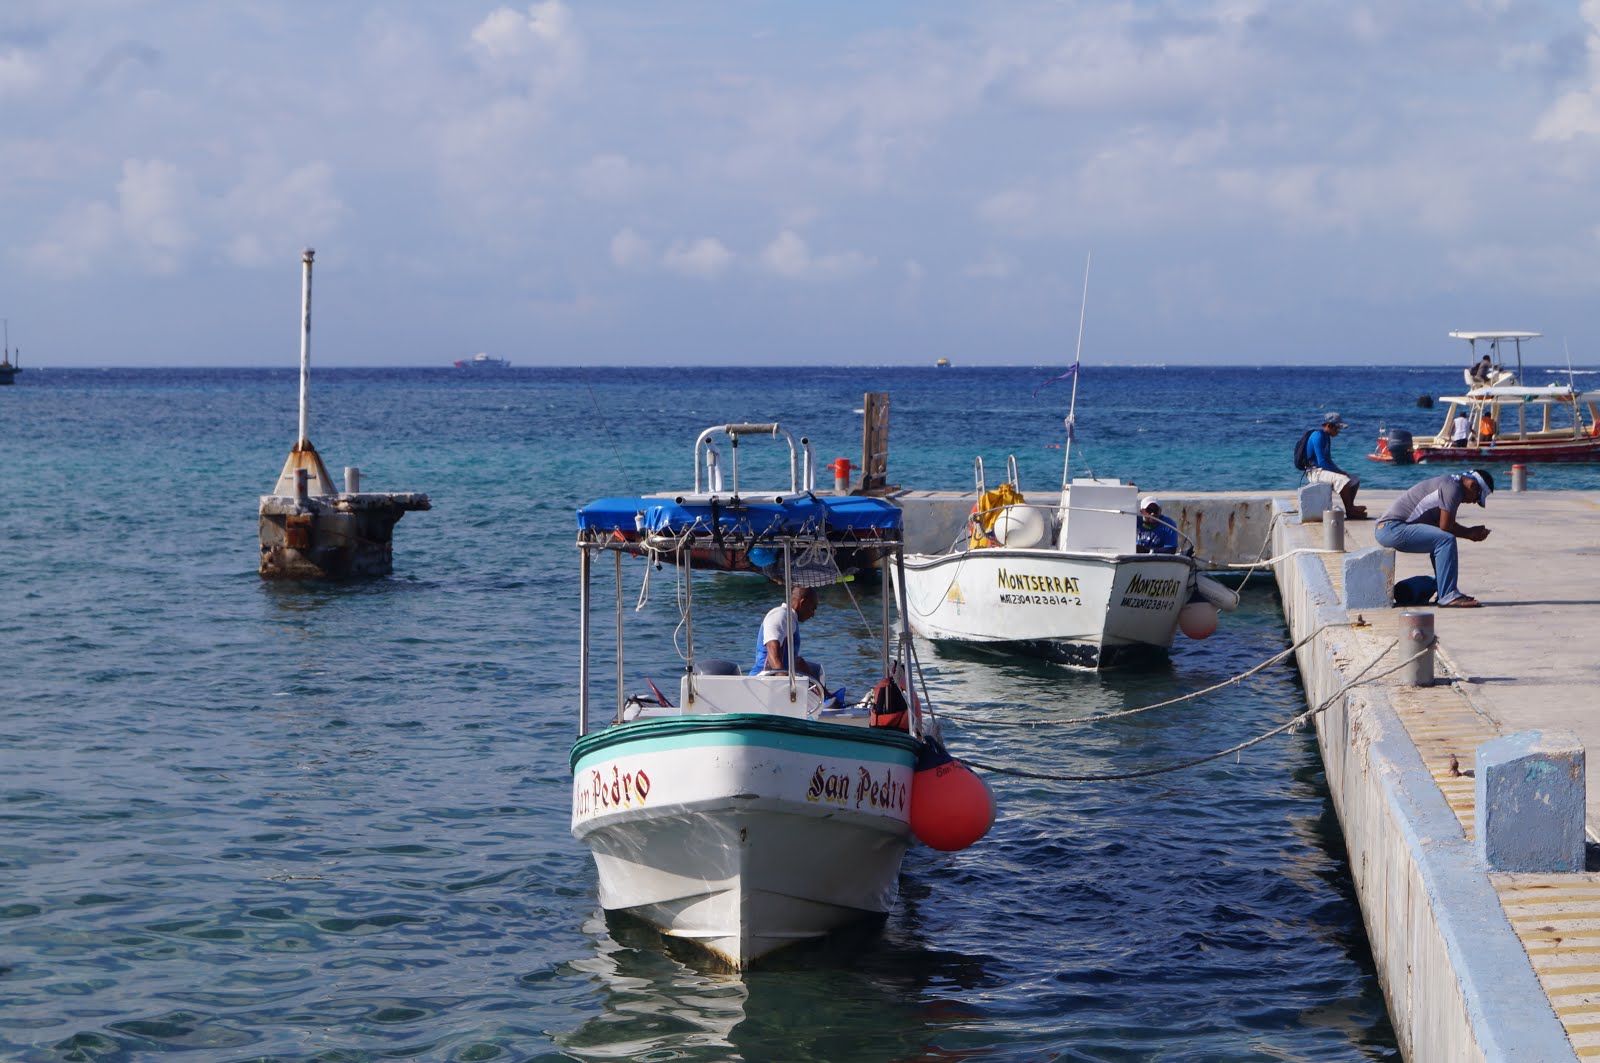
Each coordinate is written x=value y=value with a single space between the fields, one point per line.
x=601 y=182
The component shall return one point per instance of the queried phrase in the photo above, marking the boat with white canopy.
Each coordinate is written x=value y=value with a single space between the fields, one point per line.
x=1512 y=423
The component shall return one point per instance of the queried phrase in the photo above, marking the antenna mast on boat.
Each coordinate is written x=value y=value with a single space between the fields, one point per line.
x=1077 y=360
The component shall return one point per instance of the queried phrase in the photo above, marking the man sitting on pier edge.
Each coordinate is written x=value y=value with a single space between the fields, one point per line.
x=1323 y=469
x=1423 y=521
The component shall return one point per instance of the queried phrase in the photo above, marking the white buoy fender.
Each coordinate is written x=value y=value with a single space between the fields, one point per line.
x=1218 y=594
x=1198 y=620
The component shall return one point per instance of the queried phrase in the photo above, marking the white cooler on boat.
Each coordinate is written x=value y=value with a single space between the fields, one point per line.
x=1100 y=515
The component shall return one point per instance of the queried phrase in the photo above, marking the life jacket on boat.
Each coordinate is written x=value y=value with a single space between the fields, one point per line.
x=986 y=509
x=889 y=708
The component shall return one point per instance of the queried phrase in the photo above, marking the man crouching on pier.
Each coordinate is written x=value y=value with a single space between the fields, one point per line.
x=1423 y=521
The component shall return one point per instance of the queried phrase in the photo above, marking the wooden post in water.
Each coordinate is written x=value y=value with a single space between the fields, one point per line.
x=874 y=443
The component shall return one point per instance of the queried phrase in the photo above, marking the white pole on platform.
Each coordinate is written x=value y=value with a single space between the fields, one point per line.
x=305 y=348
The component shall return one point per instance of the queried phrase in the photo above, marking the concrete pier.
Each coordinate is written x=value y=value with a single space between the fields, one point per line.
x=1475 y=963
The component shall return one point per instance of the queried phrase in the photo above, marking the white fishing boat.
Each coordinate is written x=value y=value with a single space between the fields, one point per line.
x=749 y=812
x=1065 y=580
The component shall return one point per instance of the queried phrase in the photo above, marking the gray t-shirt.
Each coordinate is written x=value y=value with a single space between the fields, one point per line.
x=1423 y=503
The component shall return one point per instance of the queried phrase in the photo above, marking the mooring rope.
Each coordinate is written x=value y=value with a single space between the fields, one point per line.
x=1360 y=679
x=1101 y=717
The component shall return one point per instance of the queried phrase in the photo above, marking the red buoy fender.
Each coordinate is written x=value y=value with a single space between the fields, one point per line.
x=951 y=805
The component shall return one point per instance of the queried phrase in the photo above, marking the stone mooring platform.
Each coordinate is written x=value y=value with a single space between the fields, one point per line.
x=332 y=537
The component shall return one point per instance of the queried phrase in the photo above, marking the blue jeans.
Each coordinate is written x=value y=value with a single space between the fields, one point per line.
x=1425 y=539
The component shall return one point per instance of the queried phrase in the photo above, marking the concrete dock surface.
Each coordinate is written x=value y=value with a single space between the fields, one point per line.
x=1530 y=657
x=1527 y=660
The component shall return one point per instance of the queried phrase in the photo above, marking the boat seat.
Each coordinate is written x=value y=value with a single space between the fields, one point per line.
x=716 y=666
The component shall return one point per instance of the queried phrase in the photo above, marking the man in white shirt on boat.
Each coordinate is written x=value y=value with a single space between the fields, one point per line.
x=778 y=646
x=1460 y=430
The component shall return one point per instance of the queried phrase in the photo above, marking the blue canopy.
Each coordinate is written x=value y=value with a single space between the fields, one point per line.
x=797 y=515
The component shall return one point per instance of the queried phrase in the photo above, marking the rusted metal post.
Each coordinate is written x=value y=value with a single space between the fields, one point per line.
x=302 y=486
x=1416 y=633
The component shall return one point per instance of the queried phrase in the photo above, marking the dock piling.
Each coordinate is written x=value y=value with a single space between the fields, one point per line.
x=1416 y=633
x=352 y=480
x=1333 y=530
x=1519 y=477
x=1529 y=796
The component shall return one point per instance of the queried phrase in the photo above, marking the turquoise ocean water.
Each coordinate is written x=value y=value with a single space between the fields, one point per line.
x=245 y=821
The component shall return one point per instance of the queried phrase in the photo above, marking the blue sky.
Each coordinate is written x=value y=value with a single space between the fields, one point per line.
x=841 y=183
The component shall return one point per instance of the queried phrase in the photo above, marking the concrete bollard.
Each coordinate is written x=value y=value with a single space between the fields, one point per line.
x=1333 y=530
x=352 y=480
x=1416 y=633
x=1519 y=477
x=1315 y=500
x=1368 y=577
x=1529 y=791
x=302 y=485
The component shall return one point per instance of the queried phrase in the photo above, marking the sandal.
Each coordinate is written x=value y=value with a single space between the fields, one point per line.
x=1463 y=602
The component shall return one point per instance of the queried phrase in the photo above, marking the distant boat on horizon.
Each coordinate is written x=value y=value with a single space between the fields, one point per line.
x=8 y=368
x=942 y=363
x=482 y=361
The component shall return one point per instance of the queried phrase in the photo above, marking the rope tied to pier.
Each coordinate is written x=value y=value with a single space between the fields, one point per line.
x=1292 y=725
x=1102 y=717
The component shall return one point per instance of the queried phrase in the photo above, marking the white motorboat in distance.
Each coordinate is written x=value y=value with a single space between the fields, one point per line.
x=482 y=361
x=753 y=814
x=1063 y=581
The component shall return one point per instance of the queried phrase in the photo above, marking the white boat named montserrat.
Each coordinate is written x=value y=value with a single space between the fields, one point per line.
x=755 y=813
x=1065 y=580
x=1062 y=581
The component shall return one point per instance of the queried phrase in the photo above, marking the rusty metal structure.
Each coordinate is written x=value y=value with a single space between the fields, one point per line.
x=311 y=530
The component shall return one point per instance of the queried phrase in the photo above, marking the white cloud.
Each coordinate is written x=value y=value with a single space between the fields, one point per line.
x=270 y=214
x=76 y=242
x=629 y=249
x=994 y=265
x=153 y=198
x=609 y=179
x=706 y=258
x=19 y=74
x=788 y=256
x=1576 y=114
x=538 y=51
x=159 y=217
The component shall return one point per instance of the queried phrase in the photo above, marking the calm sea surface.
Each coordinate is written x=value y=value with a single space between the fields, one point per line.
x=247 y=821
